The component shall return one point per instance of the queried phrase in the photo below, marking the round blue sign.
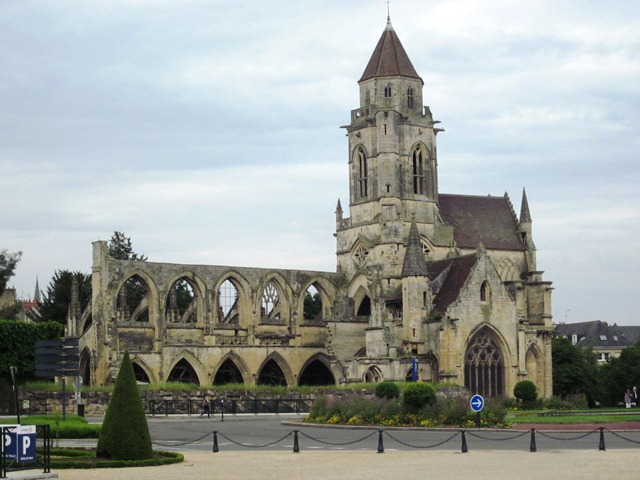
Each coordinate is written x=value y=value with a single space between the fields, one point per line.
x=477 y=403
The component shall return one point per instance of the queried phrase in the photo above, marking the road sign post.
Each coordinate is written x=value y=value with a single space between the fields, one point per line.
x=58 y=358
x=477 y=404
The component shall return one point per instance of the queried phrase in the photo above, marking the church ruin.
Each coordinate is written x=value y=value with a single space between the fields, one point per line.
x=445 y=282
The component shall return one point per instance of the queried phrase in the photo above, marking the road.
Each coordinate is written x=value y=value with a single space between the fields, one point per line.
x=277 y=433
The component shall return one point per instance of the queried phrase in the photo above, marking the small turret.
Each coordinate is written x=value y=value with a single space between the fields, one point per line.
x=414 y=264
x=525 y=230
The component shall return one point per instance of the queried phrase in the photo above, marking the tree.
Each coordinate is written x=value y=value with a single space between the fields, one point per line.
x=620 y=373
x=312 y=305
x=55 y=304
x=120 y=248
x=575 y=370
x=8 y=262
x=418 y=395
x=526 y=392
x=125 y=432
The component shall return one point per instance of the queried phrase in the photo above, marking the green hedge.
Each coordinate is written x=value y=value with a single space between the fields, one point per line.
x=72 y=427
x=18 y=345
x=84 y=458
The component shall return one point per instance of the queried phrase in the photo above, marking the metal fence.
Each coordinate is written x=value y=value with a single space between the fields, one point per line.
x=18 y=453
x=229 y=407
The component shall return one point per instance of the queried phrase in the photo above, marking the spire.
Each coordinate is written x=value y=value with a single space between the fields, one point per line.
x=339 y=211
x=37 y=297
x=525 y=215
x=389 y=58
x=414 y=264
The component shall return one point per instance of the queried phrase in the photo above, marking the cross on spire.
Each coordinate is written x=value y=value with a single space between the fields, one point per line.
x=388 y=9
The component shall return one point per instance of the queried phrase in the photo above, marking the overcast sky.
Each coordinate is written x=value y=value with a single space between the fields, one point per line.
x=208 y=131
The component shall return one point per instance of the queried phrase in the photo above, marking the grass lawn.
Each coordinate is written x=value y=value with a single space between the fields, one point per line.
x=574 y=416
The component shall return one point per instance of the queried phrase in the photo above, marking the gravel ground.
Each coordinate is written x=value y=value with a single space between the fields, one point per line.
x=357 y=465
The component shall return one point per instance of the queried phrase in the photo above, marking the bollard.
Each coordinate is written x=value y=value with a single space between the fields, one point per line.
x=380 y=444
x=532 y=446
x=601 y=446
x=296 y=445
x=464 y=443
x=215 y=442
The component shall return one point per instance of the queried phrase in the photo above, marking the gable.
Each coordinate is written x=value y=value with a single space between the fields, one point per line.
x=477 y=219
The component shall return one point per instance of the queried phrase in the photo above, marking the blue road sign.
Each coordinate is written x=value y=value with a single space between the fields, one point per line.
x=477 y=403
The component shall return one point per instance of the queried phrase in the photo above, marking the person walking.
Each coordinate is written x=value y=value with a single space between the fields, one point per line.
x=627 y=398
x=206 y=406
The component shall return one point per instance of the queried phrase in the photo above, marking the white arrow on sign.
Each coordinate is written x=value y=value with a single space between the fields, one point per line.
x=477 y=403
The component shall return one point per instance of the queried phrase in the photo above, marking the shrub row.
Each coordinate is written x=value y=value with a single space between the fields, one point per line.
x=355 y=410
x=83 y=458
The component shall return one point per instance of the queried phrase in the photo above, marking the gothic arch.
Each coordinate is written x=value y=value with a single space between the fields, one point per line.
x=86 y=320
x=142 y=365
x=179 y=370
x=373 y=375
x=149 y=302
x=86 y=366
x=325 y=289
x=508 y=271
x=197 y=286
x=317 y=371
x=287 y=376
x=274 y=300
x=359 y=292
x=432 y=368
x=485 y=363
x=227 y=311
x=485 y=292
x=361 y=171
x=534 y=367
x=239 y=364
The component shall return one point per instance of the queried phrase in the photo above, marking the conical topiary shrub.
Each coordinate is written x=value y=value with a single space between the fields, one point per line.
x=125 y=433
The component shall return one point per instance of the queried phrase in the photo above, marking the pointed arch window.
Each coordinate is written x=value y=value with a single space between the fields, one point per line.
x=410 y=101
x=363 y=174
x=367 y=98
x=387 y=91
x=418 y=170
x=484 y=366
x=485 y=292
x=228 y=311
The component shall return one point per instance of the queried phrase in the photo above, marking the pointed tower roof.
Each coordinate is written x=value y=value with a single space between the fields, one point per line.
x=525 y=215
x=389 y=59
x=37 y=298
x=414 y=264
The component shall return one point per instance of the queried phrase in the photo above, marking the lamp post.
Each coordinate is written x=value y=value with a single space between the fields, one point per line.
x=15 y=391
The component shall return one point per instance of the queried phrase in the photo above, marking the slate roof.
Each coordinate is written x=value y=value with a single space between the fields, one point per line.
x=478 y=219
x=600 y=334
x=449 y=276
x=414 y=264
x=389 y=58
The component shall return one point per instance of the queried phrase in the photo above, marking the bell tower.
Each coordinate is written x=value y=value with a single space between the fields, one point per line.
x=393 y=175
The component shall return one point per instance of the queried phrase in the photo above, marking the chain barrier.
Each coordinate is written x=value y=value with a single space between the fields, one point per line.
x=406 y=444
x=513 y=437
x=181 y=444
x=249 y=445
x=339 y=444
x=622 y=437
x=381 y=432
x=564 y=439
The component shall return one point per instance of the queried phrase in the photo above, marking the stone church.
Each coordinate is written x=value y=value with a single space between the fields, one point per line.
x=428 y=286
